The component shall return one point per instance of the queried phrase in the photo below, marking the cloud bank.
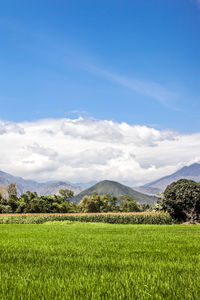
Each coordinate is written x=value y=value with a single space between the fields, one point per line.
x=86 y=149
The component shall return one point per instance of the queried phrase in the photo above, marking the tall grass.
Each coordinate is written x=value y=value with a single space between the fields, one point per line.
x=104 y=218
x=99 y=261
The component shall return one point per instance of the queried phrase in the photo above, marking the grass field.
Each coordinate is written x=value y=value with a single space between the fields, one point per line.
x=99 y=261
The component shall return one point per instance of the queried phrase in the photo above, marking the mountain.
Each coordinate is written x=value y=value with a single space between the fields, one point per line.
x=85 y=185
x=116 y=189
x=191 y=172
x=53 y=188
x=3 y=190
x=46 y=188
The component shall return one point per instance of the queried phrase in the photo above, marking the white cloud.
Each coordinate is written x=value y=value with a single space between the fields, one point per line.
x=10 y=127
x=87 y=149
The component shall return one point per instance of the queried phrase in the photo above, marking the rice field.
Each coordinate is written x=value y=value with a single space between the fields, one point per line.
x=66 y=260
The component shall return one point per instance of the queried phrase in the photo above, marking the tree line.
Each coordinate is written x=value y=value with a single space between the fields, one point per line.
x=31 y=202
x=180 y=199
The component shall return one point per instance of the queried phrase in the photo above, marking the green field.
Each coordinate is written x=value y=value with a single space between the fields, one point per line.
x=99 y=261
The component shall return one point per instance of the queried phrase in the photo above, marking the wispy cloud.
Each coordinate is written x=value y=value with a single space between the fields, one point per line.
x=64 y=52
x=148 y=88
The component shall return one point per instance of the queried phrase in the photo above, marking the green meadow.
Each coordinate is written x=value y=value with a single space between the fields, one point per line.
x=66 y=260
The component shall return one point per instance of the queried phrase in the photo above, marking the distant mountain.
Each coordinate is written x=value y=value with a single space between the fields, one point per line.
x=191 y=172
x=3 y=190
x=85 y=185
x=143 y=194
x=46 y=188
x=53 y=188
x=115 y=189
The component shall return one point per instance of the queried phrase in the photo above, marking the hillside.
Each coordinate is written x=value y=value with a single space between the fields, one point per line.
x=191 y=172
x=3 y=190
x=49 y=188
x=115 y=189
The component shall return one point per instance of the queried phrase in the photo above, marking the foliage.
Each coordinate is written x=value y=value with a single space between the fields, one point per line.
x=150 y=218
x=30 y=202
x=145 y=207
x=66 y=194
x=98 y=203
x=12 y=190
x=99 y=261
x=128 y=204
x=157 y=206
x=105 y=203
x=182 y=200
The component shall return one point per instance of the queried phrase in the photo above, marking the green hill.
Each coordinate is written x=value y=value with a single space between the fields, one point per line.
x=115 y=189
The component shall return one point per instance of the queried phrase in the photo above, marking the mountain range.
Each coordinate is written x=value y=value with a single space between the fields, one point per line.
x=191 y=172
x=44 y=188
x=143 y=194
x=52 y=187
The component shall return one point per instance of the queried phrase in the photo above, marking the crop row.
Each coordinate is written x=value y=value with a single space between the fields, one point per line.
x=103 y=218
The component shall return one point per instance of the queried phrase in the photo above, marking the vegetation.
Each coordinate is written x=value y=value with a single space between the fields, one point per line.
x=106 y=203
x=32 y=203
x=116 y=189
x=121 y=218
x=128 y=204
x=182 y=200
x=98 y=203
x=99 y=261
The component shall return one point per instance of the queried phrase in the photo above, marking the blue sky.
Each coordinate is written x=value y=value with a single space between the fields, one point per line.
x=133 y=61
x=94 y=90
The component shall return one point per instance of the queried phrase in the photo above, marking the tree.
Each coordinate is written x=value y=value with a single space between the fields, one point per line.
x=110 y=202
x=95 y=203
x=182 y=200
x=145 y=207
x=12 y=197
x=66 y=194
x=41 y=204
x=25 y=202
x=12 y=189
x=31 y=202
x=5 y=209
x=128 y=204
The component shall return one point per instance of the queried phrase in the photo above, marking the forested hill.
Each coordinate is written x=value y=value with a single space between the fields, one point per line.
x=115 y=189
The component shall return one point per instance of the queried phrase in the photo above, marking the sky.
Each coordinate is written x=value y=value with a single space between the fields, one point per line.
x=93 y=90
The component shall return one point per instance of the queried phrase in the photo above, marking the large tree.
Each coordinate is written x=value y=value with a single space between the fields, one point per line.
x=97 y=203
x=12 y=200
x=128 y=204
x=182 y=200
